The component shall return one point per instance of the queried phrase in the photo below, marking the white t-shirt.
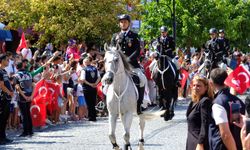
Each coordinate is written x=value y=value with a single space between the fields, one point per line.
x=79 y=91
x=74 y=77
x=78 y=69
x=26 y=53
x=11 y=68
x=219 y=114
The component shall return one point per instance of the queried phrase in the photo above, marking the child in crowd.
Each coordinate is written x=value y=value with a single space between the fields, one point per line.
x=82 y=106
x=14 y=118
x=61 y=99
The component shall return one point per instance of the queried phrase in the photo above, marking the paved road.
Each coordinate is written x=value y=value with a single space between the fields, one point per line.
x=159 y=135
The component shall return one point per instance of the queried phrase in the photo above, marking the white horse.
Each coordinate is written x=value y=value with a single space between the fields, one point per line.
x=121 y=96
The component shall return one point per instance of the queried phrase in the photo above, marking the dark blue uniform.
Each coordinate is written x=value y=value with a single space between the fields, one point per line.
x=4 y=103
x=90 y=93
x=166 y=46
x=24 y=80
x=223 y=98
x=224 y=46
x=215 y=47
x=130 y=46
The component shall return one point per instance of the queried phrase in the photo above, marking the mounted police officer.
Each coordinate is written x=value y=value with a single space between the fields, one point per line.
x=213 y=46
x=130 y=46
x=225 y=46
x=165 y=43
x=165 y=46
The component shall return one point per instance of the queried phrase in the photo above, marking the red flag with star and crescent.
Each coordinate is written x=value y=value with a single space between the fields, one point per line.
x=238 y=79
x=22 y=44
x=38 y=105
x=45 y=96
x=184 y=75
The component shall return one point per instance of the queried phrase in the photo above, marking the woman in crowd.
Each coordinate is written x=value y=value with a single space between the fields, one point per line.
x=198 y=114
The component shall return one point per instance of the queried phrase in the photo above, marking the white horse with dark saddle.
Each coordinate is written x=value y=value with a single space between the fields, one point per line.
x=121 y=96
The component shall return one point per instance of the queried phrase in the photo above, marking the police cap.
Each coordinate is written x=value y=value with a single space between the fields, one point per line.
x=124 y=17
x=164 y=29
x=212 y=30
x=221 y=31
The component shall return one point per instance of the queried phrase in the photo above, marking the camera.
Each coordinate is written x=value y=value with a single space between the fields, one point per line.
x=235 y=112
x=247 y=126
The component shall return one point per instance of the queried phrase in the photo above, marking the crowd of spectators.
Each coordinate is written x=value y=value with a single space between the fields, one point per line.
x=64 y=67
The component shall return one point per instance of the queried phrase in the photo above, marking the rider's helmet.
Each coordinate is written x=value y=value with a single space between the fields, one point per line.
x=221 y=31
x=212 y=30
x=124 y=17
x=164 y=29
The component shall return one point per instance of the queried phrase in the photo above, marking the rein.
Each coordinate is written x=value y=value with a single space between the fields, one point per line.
x=162 y=72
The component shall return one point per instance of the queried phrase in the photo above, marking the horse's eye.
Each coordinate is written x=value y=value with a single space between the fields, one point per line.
x=116 y=59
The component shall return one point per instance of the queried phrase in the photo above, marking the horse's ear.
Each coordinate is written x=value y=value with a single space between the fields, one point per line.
x=106 y=47
x=118 y=47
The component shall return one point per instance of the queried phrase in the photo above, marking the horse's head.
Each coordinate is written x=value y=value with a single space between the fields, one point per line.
x=115 y=63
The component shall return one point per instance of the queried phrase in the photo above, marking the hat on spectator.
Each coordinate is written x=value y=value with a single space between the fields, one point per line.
x=71 y=42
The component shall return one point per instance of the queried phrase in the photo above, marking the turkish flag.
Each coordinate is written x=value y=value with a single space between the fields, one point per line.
x=38 y=111
x=45 y=95
x=238 y=79
x=22 y=44
x=184 y=75
x=38 y=104
x=99 y=90
x=52 y=96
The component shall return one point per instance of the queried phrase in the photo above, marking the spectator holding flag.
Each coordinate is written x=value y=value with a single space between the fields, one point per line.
x=223 y=134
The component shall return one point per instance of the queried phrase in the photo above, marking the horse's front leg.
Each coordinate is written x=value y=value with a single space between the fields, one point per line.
x=127 y=122
x=141 y=129
x=112 y=127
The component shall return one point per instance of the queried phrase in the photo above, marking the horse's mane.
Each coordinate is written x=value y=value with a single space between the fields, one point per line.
x=124 y=60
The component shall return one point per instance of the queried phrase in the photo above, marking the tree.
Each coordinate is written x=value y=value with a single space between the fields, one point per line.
x=195 y=18
x=59 y=20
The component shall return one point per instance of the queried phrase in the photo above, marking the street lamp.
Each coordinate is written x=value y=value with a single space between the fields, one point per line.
x=173 y=19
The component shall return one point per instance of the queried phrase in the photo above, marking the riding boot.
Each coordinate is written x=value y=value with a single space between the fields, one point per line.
x=140 y=99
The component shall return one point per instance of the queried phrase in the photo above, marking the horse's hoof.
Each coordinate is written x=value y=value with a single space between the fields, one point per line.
x=171 y=117
x=127 y=147
x=117 y=148
x=140 y=147
x=166 y=118
x=141 y=144
x=141 y=141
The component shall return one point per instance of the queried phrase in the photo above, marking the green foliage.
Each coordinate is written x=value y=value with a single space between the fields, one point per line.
x=195 y=18
x=59 y=20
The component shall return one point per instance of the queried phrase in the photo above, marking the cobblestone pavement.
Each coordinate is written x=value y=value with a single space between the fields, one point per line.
x=84 y=135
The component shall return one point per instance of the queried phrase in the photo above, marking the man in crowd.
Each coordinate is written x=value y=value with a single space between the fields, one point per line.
x=26 y=52
x=223 y=134
x=6 y=93
x=130 y=46
x=23 y=84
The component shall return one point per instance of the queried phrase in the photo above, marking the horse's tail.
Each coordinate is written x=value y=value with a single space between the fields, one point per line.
x=152 y=114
